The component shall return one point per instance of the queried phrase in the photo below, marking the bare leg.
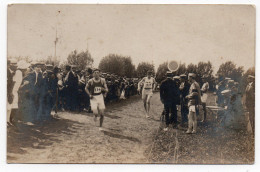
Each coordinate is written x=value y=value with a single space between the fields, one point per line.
x=145 y=104
x=101 y=117
x=9 y=115
x=194 y=123
x=148 y=105
x=190 y=122
x=101 y=120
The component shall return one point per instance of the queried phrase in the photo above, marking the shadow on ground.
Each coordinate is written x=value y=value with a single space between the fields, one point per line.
x=39 y=136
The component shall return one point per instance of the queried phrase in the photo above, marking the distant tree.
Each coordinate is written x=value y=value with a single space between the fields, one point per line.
x=229 y=69
x=163 y=68
x=19 y=58
x=117 y=64
x=161 y=71
x=205 y=69
x=129 y=67
x=82 y=60
x=52 y=61
x=192 y=68
x=143 y=68
x=182 y=70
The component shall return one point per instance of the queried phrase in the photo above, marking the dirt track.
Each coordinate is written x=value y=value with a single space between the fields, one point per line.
x=128 y=138
x=74 y=138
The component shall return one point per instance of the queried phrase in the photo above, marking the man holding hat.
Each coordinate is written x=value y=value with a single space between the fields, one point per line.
x=169 y=94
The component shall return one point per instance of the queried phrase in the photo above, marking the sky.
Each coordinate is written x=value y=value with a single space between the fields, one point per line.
x=146 y=33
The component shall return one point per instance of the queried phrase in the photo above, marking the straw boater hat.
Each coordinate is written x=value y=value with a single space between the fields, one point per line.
x=226 y=92
x=183 y=76
x=22 y=65
x=193 y=75
x=176 y=77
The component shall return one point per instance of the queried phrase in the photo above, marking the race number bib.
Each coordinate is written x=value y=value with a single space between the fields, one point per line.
x=97 y=90
x=148 y=85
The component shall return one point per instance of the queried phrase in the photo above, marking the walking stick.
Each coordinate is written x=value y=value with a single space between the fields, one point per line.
x=56 y=102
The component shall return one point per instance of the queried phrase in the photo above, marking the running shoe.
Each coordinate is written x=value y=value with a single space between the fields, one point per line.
x=188 y=132
x=95 y=118
x=165 y=129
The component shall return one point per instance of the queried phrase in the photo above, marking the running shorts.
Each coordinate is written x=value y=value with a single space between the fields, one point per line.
x=146 y=93
x=97 y=102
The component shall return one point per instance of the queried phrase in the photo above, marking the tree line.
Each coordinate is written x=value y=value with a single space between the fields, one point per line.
x=123 y=66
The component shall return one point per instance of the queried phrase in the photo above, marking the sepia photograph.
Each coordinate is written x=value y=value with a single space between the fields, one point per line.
x=130 y=84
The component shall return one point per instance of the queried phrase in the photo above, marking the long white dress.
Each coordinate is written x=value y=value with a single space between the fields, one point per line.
x=18 y=77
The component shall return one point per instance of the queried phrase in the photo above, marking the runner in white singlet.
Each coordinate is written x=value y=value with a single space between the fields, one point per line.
x=148 y=84
x=97 y=90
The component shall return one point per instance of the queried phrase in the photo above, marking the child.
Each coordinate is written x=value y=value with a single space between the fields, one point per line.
x=192 y=117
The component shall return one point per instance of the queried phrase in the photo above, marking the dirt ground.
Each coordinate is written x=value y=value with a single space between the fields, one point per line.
x=128 y=138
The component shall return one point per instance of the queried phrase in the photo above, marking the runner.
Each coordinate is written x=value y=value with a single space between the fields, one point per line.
x=147 y=91
x=97 y=90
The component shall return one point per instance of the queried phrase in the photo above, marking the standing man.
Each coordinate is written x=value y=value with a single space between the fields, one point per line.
x=204 y=90
x=169 y=94
x=250 y=100
x=147 y=91
x=69 y=88
x=184 y=91
x=194 y=100
x=97 y=89
x=10 y=96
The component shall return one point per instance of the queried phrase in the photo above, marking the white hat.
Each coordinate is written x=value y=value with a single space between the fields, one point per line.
x=176 y=77
x=192 y=75
x=225 y=92
x=22 y=65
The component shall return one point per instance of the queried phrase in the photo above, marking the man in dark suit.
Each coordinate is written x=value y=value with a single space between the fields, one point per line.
x=52 y=85
x=69 y=87
x=34 y=79
x=169 y=94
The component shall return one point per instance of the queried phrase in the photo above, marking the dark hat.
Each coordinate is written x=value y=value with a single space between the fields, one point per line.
x=68 y=67
x=168 y=73
x=56 y=69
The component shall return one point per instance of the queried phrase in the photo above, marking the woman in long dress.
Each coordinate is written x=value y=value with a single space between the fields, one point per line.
x=17 y=79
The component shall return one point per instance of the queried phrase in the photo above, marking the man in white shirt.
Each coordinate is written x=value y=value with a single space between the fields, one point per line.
x=204 y=90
